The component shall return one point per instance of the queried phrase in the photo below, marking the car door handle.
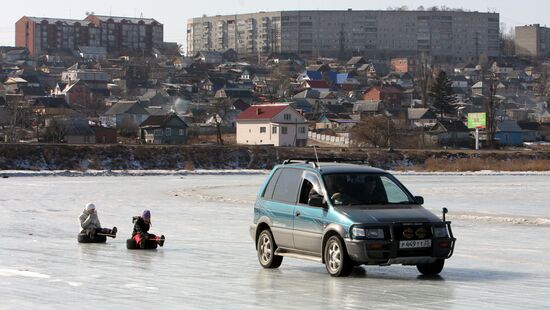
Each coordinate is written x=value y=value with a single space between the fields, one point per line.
x=298 y=213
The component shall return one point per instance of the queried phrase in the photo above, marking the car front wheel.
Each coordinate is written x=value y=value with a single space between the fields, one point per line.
x=266 y=251
x=431 y=268
x=337 y=261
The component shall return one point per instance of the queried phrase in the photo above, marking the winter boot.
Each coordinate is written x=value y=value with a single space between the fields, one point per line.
x=161 y=240
x=143 y=243
x=113 y=232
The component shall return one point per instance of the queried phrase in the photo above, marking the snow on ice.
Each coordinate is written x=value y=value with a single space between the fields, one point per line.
x=502 y=258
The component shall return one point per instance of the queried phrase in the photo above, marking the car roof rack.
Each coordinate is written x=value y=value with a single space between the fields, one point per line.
x=315 y=163
x=312 y=161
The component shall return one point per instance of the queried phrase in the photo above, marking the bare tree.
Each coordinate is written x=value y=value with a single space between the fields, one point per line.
x=483 y=62
x=280 y=77
x=376 y=131
x=19 y=114
x=127 y=128
x=56 y=131
x=507 y=42
x=219 y=111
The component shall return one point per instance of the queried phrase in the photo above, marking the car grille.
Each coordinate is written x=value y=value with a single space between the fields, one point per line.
x=414 y=231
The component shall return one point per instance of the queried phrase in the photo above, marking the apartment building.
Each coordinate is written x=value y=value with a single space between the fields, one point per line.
x=449 y=35
x=533 y=41
x=116 y=34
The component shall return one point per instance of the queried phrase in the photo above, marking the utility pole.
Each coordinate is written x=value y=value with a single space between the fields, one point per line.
x=342 y=41
x=388 y=141
x=477 y=138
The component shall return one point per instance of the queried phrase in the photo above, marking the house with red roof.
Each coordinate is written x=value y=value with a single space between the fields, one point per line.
x=390 y=95
x=320 y=86
x=272 y=124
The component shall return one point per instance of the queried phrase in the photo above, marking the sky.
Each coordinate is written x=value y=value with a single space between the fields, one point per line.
x=174 y=14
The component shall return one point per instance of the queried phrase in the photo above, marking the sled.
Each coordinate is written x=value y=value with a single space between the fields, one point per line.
x=84 y=238
x=149 y=245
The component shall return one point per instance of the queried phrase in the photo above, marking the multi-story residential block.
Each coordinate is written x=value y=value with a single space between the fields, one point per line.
x=532 y=40
x=445 y=35
x=116 y=34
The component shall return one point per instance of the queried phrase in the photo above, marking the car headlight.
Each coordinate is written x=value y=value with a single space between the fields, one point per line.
x=357 y=232
x=367 y=233
x=374 y=233
x=441 y=232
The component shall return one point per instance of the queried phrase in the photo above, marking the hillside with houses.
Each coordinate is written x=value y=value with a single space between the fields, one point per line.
x=153 y=94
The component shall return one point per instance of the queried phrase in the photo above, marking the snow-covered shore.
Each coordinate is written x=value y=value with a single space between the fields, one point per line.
x=91 y=173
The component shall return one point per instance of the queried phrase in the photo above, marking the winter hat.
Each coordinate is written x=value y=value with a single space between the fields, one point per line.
x=146 y=214
x=90 y=206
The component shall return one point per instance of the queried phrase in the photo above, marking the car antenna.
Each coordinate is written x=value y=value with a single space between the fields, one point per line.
x=316 y=156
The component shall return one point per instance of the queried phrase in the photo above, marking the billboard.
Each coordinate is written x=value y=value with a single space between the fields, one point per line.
x=477 y=120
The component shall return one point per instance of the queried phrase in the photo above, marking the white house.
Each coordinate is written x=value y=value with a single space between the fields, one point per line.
x=271 y=124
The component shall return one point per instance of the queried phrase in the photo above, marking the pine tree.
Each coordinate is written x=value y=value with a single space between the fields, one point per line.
x=442 y=96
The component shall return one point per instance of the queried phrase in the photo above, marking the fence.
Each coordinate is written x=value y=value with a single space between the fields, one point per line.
x=332 y=140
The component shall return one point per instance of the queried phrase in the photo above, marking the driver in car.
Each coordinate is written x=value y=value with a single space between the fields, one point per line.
x=357 y=191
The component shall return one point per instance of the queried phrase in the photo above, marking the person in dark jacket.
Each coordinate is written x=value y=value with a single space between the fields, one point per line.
x=89 y=222
x=141 y=234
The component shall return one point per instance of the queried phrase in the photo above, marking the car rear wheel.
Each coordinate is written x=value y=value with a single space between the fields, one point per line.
x=337 y=261
x=431 y=268
x=266 y=251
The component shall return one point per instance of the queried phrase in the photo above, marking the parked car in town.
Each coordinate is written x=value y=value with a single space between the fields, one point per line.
x=345 y=215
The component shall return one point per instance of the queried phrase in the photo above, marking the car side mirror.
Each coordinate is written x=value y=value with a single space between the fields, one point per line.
x=419 y=200
x=316 y=201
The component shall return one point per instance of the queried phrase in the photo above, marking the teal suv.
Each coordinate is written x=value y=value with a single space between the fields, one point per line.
x=345 y=215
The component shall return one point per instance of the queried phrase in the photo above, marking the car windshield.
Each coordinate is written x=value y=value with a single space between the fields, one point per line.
x=365 y=189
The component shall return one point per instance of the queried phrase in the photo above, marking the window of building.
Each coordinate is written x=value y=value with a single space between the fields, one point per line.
x=262 y=130
x=182 y=132
x=284 y=130
x=274 y=130
x=158 y=132
x=302 y=129
x=168 y=132
x=287 y=117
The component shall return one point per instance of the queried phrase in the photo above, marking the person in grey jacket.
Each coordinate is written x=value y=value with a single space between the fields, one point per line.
x=89 y=222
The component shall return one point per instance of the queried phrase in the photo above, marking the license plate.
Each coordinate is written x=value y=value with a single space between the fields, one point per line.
x=414 y=244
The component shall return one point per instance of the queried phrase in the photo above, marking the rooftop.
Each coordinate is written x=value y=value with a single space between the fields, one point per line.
x=119 y=19
x=161 y=120
x=127 y=107
x=262 y=112
x=52 y=20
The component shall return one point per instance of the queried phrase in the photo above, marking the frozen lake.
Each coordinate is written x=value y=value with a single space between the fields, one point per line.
x=209 y=261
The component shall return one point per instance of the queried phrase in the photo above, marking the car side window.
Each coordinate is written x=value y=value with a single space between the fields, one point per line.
x=286 y=189
x=393 y=192
x=268 y=193
x=310 y=186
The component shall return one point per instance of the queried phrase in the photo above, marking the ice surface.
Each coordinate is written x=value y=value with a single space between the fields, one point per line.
x=209 y=261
